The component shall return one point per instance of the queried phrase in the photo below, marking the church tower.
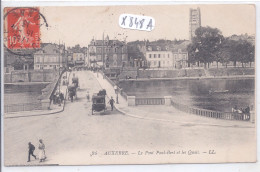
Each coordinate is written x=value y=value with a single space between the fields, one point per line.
x=195 y=21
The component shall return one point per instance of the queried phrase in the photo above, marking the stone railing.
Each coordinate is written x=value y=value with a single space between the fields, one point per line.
x=214 y=114
x=149 y=101
x=47 y=94
x=120 y=90
x=133 y=101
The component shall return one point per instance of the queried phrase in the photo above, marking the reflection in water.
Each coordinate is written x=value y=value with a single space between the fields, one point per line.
x=224 y=94
x=16 y=94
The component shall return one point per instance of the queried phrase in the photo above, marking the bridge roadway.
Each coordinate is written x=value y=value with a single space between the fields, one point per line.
x=71 y=136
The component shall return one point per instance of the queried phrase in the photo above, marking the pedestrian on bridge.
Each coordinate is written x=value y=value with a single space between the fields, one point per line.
x=88 y=97
x=111 y=102
x=41 y=147
x=31 y=150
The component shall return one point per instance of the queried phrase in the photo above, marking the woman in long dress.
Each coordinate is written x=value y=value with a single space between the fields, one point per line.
x=41 y=147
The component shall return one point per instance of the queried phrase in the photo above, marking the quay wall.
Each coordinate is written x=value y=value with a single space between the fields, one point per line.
x=30 y=76
x=195 y=72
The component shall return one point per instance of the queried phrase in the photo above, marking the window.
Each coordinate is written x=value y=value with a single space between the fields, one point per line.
x=150 y=55
x=168 y=55
x=99 y=50
x=155 y=55
x=115 y=63
x=159 y=55
x=184 y=56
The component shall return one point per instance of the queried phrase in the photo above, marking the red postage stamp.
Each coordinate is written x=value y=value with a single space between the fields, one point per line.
x=22 y=27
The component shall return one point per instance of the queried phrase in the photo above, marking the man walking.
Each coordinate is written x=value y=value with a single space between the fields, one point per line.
x=112 y=101
x=31 y=150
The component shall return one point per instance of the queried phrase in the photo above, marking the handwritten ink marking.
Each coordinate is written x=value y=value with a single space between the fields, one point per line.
x=131 y=22
x=136 y=22
x=123 y=22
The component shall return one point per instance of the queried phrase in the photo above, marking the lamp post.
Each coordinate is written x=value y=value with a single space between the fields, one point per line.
x=117 y=98
x=116 y=91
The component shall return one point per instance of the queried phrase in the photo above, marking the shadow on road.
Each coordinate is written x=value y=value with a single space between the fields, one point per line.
x=107 y=112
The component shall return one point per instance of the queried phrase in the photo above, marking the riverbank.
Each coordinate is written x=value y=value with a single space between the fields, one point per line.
x=190 y=73
x=194 y=78
x=165 y=113
x=27 y=83
x=53 y=108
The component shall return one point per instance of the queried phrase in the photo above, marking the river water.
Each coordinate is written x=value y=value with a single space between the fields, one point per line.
x=226 y=92
x=18 y=94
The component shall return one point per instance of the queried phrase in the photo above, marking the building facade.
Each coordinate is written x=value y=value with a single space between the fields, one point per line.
x=166 y=56
x=107 y=53
x=159 y=59
x=50 y=56
x=180 y=58
x=194 y=22
x=78 y=59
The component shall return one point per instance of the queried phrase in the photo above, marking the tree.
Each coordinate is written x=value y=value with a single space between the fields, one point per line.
x=251 y=54
x=205 y=45
x=241 y=51
x=224 y=54
x=192 y=55
x=18 y=64
x=246 y=51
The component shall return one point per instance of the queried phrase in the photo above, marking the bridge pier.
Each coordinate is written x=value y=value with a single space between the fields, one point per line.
x=131 y=100
x=168 y=100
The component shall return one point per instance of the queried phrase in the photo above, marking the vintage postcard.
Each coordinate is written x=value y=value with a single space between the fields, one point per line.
x=147 y=84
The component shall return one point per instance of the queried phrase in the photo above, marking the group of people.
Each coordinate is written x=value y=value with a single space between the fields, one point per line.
x=58 y=98
x=241 y=110
x=41 y=147
x=73 y=88
x=244 y=112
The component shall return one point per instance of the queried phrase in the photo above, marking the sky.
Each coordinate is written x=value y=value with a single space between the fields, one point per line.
x=78 y=25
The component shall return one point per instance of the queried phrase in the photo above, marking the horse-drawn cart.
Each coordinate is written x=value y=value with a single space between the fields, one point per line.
x=99 y=101
x=72 y=89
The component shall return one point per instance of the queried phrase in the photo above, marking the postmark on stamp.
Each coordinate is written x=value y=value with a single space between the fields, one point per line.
x=22 y=27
